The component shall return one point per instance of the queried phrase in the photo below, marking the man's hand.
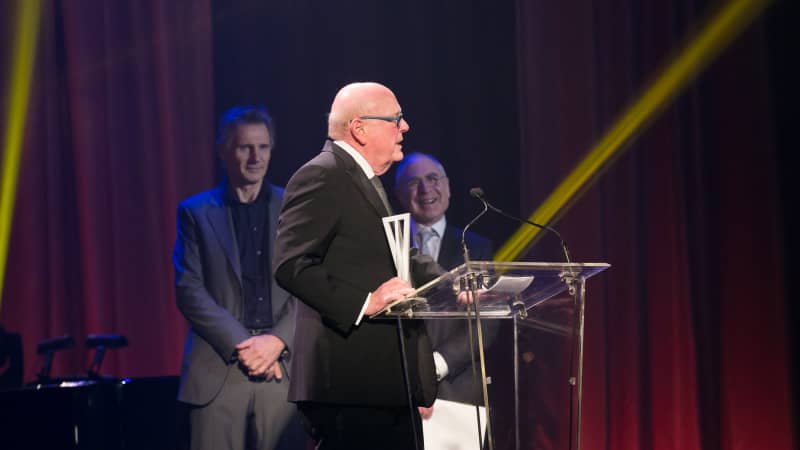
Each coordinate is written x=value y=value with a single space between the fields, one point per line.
x=424 y=412
x=465 y=297
x=259 y=355
x=390 y=291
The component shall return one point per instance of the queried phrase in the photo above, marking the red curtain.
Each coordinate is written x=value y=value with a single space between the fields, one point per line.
x=686 y=342
x=120 y=127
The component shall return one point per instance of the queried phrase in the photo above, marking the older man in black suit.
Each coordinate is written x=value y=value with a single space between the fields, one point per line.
x=242 y=324
x=333 y=255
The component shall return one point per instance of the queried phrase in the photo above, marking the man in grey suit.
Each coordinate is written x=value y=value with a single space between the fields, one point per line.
x=242 y=324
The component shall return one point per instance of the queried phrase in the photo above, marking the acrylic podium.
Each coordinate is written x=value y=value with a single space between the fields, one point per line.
x=543 y=303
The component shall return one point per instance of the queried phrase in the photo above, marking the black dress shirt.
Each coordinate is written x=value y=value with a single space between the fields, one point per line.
x=251 y=228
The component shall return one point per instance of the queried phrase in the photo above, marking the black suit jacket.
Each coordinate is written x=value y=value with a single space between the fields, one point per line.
x=450 y=337
x=331 y=252
x=208 y=291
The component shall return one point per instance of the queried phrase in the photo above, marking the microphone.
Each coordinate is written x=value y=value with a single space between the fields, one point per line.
x=106 y=340
x=478 y=193
x=54 y=344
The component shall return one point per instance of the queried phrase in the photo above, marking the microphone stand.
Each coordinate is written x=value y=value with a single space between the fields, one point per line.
x=472 y=287
x=577 y=320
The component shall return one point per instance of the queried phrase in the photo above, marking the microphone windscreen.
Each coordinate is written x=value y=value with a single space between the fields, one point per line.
x=476 y=192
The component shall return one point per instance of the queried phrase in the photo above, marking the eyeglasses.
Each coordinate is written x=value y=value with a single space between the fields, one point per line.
x=396 y=119
x=430 y=180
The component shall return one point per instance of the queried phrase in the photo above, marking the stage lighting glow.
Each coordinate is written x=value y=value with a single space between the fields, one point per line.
x=26 y=31
x=720 y=31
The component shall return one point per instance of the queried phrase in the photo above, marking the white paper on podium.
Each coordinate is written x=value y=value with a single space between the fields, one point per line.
x=510 y=285
x=453 y=426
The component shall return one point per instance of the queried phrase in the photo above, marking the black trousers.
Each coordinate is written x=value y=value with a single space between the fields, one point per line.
x=339 y=427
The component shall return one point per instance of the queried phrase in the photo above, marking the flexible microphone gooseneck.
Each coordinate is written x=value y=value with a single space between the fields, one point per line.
x=464 y=232
x=478 y=193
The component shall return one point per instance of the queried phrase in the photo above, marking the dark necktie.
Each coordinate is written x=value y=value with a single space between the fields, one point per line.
x=376 y=182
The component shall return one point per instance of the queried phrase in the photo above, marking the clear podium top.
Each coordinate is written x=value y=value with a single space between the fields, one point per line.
x=501 y=287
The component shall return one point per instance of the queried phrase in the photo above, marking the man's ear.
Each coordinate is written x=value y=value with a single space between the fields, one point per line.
x=357 y=131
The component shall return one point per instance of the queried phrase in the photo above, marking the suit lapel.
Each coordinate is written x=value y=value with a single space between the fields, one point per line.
x=450 y=254
x=360 y=179
x=369 y=192
x=222 y=224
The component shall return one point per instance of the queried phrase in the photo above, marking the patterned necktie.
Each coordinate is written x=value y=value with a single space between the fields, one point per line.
x=424 y=236
x=376 y=182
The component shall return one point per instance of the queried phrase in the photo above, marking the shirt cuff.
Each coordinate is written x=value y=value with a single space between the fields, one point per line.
x=363 y=309
x=441 y=366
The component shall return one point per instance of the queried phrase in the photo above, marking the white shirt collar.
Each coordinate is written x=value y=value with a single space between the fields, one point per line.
x=360 y=160
x=438 y=227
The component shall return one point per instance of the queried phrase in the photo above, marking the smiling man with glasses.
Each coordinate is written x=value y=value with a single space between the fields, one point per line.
x=423 y=189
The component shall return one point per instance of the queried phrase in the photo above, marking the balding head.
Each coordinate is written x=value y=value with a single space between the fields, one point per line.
x=365 y=115
x=353 y=100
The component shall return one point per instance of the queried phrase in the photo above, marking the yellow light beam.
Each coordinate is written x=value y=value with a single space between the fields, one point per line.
x=732 y=19
x=22 y=58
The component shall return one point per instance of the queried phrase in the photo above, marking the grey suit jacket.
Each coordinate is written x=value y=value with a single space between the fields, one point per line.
x=208 y=288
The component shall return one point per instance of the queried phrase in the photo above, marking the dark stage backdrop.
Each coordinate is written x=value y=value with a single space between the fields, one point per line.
x=452 y=67
x=686 y=333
